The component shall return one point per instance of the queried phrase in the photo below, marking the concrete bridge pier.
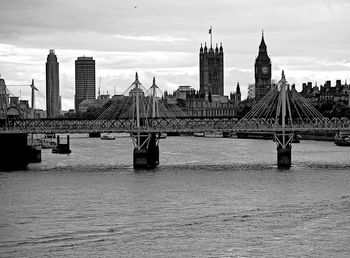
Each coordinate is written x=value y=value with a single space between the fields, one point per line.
x=13 y=151
x=284 y=149
x=34 y=154
x=94 y=135
x=146 y=150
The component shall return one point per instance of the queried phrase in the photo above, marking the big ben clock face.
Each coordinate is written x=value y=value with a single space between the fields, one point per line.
x=265 y=70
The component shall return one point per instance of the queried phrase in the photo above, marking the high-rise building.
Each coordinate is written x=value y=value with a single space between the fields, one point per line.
x=211 y=71
x=52 y=85
x=85 y=84
x=262 y=71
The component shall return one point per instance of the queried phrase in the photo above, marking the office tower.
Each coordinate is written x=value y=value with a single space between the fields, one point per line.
x=52 y=85
x=85 y=85
x=262 y=71
x=211 y=71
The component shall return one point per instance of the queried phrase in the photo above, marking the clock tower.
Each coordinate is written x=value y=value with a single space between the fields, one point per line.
x=262 y=71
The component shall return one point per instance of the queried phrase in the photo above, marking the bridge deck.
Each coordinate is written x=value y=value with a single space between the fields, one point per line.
x=181 y=124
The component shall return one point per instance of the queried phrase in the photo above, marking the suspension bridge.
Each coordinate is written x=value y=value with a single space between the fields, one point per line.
x=145 y=114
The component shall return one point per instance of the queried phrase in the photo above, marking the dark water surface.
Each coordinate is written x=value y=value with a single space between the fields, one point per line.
x=209 y=198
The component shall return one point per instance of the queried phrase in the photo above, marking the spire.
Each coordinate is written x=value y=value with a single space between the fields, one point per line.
x=221 y=49
x=216 y=48
x=238 y=89
x=201 y=49
x=136 y=77
x=262 y=47
x=154 y=80
x=205 y=47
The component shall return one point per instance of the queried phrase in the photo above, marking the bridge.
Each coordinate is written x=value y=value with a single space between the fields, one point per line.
x=165 y=124
x=145 y=115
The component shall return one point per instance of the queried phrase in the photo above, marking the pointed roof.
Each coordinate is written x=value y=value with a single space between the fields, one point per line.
x=238 y=88
x=262 y=43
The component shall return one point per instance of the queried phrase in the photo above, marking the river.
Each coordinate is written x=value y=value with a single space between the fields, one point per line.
x=209 y=197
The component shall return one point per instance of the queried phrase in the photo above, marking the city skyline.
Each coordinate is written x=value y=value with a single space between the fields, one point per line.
x=307 y=40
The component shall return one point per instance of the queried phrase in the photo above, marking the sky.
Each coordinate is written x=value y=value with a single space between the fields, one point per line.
x=309 y=39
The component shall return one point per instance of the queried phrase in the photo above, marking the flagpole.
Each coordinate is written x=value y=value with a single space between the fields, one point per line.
x=211 y=37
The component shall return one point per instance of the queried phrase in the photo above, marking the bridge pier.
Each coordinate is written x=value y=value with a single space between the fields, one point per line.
x=146 y=150
x=94 y=135
x=62 y=148
x=14 y=151
x=34 y=154
x=284 y=149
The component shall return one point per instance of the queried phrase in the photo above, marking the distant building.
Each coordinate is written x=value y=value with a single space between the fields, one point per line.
x=87 y=103
x=24 y=106
x=39 y=113
x=262 y=71
x=104 y=97
x=118 y=97
x=211 y=71
x=53 y=105
x=85 y=82
x=14 y=101
x=219 y=106
x=4 y=98
x=251 y=91
x=194 y=104
x=183 y=91
x=236 y=97
x=340 y=92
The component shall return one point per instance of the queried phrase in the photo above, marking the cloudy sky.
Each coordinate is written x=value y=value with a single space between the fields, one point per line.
x=308 y=39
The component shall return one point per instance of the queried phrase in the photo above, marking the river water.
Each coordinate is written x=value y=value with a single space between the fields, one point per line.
x=209 y=197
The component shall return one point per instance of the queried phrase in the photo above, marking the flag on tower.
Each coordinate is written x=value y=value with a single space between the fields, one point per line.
x=210 y=30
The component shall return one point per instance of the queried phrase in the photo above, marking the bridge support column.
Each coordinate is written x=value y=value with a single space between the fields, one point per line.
x=284 y=149
x=62 y=148
x=13 y=151
x=94 y=135
x=34 y=154
x=146 y=150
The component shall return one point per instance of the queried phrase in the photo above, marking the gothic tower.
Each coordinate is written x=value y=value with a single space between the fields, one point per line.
x=238 y=94
x=211 y=70
x=262 y=71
